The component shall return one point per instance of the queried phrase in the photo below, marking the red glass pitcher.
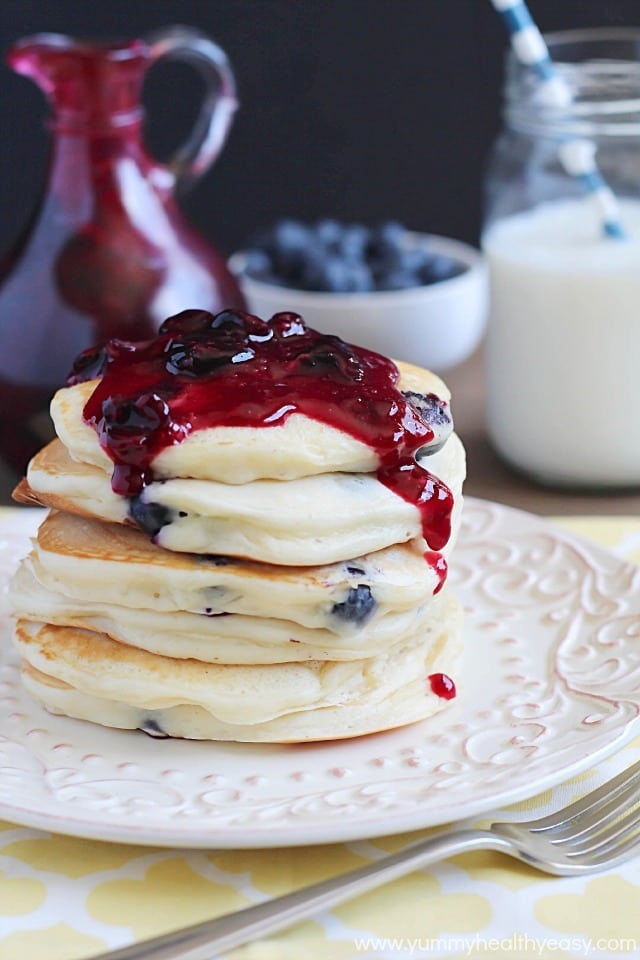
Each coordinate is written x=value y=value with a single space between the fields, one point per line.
x=109 y=253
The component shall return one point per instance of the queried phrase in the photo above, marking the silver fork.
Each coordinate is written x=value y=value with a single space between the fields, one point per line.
x=600 y=830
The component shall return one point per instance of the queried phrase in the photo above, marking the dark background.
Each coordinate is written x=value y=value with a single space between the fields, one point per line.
x=360 y=109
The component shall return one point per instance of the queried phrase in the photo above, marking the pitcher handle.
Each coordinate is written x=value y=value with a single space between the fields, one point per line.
x=210 y=130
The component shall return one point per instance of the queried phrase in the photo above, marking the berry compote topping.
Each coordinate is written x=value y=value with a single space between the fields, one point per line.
x=442 y=685
x=236 y=370
x=438 y=564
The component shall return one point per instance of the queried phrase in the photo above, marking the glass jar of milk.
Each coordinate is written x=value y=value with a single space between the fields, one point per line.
x=563 y=344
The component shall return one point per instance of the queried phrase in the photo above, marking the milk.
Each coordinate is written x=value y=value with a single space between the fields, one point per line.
x=563 y=347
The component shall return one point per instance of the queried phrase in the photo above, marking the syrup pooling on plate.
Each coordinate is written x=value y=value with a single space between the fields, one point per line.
x=236 y=370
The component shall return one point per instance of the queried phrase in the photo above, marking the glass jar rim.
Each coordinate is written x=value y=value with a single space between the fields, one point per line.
x=605 y=85
x=588 y=34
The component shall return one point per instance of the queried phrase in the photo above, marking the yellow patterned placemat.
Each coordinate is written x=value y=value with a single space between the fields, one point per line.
x=63 y=898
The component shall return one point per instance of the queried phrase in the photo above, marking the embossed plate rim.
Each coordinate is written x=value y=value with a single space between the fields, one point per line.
x=383 y=784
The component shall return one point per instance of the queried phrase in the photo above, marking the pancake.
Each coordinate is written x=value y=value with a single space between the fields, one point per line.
x=88 y=676
x=297 y=447
x=311 y=521
x=249 y=543
x=222 y=638
x=87 y=559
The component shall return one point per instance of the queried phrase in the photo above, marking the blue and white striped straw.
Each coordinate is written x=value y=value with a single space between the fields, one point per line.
x=578 y=156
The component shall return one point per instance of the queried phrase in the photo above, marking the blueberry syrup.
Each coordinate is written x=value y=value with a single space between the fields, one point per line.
x=236 y=370
x=442 y=685
x=438 y=564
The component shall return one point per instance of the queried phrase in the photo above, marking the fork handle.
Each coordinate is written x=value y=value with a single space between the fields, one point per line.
x=203 y=941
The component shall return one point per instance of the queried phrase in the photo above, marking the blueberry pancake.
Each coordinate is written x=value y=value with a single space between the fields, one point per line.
x=222 y=638
x=230 y=435
x=89 y=560
x=313 y=520
x=249 y=538
x=86 y=675
x=299 y=446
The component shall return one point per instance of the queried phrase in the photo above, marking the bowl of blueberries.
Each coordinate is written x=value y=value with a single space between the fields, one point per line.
x=413 y=296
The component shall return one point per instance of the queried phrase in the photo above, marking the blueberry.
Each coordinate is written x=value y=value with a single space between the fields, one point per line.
x=385 y=241
x=195 y=359
x=333 y=357
x=285 y=234
x=334 y=275
x=291 y=241
x=92 y=363
x=355 y=571
x=260 y=332
x=231 y=321
x=258 y=264
x=438 y=268
x=353 y=243
x=146 y=414
x=150 y=517
x=432 y=410
x=436 y=414
x=358 y=607
x=289 y=235
x=313 y=269
x=88 y=365
x=241 y=326
x=153 y=729
x=328 y=232
x=288 y=324
x=337 y=276
x=397 y=279
x=414 y=260
x=361 y=278
x=215 y=597
x=188 y=321
x=188 y=357
x=391 y=233
x=345 y=258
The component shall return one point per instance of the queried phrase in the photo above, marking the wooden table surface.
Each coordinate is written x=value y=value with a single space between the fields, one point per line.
x=488 y=477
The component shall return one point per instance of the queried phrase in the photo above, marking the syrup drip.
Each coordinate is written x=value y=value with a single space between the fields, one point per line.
x=438 y=564
x=442 y=685
x=239 y=371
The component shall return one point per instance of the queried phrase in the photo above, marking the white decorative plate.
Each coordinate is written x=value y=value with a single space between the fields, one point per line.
x=551 y=682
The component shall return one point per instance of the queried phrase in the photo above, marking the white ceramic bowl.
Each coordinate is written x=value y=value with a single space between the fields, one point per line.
x=435 y=326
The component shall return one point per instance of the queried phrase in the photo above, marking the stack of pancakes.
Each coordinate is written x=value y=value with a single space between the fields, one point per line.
x=265 y=586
